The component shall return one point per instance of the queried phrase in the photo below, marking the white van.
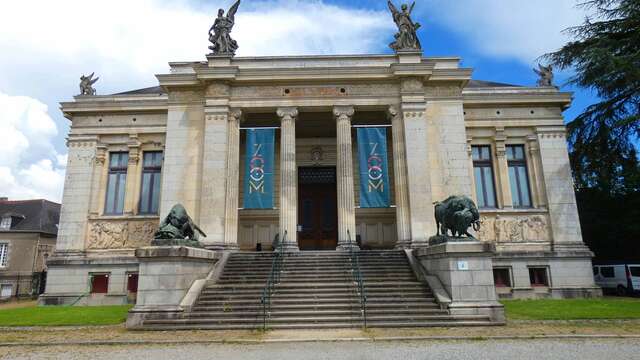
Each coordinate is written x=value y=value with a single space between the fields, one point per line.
x=624 y=279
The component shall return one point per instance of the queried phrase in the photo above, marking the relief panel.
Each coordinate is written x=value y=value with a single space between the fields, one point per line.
x=120 y=234
x=503 y=228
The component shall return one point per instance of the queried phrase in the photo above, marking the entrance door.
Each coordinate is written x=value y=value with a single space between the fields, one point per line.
x=317 y=210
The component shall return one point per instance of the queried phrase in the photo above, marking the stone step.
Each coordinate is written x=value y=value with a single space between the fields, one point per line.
x=320 y=285
x=285 y=307
x=329 y=300
x=276 y=320
x=354 y=311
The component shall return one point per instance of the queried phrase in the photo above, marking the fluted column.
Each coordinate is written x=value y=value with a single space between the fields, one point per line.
x=233 y=180
x=288 y=178
x=503 y=169
x=346 y=198
x=403 y=221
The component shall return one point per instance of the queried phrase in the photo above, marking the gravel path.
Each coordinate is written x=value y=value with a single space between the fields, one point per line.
x=419 y=350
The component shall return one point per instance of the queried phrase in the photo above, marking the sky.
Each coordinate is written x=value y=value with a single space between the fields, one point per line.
x=46 y=45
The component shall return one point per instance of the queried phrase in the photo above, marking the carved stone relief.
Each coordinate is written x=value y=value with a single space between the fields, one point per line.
x=315 y=91
x=511 y=228
x=120 y=234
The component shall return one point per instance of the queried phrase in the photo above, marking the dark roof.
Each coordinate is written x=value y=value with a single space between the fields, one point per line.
x=146 y=91
x=32 y=215
x=160 y=91
x=484 y=84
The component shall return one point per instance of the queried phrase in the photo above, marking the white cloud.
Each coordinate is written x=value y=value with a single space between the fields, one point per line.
x=46 y=45
x=27 y=155
x=516 y=29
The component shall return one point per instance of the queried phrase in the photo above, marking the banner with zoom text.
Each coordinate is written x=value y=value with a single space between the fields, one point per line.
x=374 y=169
x=258 y=175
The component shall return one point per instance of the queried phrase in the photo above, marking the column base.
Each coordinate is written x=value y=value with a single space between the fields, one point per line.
x=291 y=247
x=345 y=246
x=221 y=247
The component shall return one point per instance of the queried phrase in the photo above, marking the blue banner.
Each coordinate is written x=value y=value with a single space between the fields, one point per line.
x=374 y=169
x=258 y=175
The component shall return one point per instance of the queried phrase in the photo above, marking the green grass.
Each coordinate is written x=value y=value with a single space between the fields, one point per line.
x=579 y=309
x=64 y=315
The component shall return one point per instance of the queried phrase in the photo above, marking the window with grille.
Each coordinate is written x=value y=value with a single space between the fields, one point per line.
x=518 y=176
x=150 y=191
x=116 y=184
x=4 y=255
x=501 y=277
x=483 y=174
x=6 y=223
x=538 y=276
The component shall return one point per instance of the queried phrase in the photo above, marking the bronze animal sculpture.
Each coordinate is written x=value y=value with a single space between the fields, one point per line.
x=457 y=214
x=178 y=229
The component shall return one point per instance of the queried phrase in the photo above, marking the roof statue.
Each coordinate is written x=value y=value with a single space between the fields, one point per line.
x=546 y=75
x=220 y=32
x=86 y=85
x=406 y=38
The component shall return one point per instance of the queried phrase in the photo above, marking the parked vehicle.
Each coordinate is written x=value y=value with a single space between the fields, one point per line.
x=624 y=279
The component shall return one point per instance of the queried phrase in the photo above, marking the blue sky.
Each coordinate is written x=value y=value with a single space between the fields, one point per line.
x=127 y=42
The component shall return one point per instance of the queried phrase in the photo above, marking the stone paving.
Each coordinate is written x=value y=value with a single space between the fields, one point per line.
x=407 y=350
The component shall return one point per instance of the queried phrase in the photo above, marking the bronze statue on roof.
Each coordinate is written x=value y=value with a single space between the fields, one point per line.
x=220 y=32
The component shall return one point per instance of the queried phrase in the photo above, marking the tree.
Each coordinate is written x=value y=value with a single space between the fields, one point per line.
x=605 y=56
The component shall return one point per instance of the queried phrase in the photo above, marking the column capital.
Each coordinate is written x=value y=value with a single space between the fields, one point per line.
x=235 y=115
x=393 y=111
x=343 y=111
x=288 y=113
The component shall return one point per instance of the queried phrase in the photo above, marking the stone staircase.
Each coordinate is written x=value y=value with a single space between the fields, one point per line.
x=317 y=291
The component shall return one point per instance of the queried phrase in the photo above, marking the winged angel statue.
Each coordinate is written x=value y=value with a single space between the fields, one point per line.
x=406 y=38
x=220 y=32
x=546 y=75
x=86 y=85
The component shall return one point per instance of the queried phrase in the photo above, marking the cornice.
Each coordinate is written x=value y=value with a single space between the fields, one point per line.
x=113 y=104
x=516 y=96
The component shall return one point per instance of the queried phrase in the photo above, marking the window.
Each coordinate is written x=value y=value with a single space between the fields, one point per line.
x=4 y=255
x=6 y=290
x=116 y=183
x=132 y=283
x=150 y=192
x=483 y=174
x=6 y=223
x=607 y=272
x=99 y=283
x=518 y=176
x=538 y=277
x=501 y=277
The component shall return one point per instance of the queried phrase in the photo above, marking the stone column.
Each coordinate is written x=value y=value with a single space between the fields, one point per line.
x=563 y=212
x=537 y=186
x=344 y=169
x=504 y=186
x=97 y=180
x=233 y=180
x=288 y=178
x=421 y=211
x=76 y=199
x=133 y=176
x=403 y=223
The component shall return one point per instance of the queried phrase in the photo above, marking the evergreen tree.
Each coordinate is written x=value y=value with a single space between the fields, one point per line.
x=605 y=56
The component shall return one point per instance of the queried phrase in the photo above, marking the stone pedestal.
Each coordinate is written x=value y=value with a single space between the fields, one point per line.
x=465 y=270
x=166 y=274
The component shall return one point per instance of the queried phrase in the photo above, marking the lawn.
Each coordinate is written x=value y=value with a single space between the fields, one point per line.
x=578 y=309
x=64 y=315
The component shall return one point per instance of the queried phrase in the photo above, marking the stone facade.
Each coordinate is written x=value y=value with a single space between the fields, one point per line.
x=435 y=114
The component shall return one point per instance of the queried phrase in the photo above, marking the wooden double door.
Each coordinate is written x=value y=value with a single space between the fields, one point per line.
x=317 y=208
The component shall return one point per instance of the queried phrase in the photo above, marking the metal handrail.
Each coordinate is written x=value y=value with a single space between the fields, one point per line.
x=273 y=280
x=354 y=258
